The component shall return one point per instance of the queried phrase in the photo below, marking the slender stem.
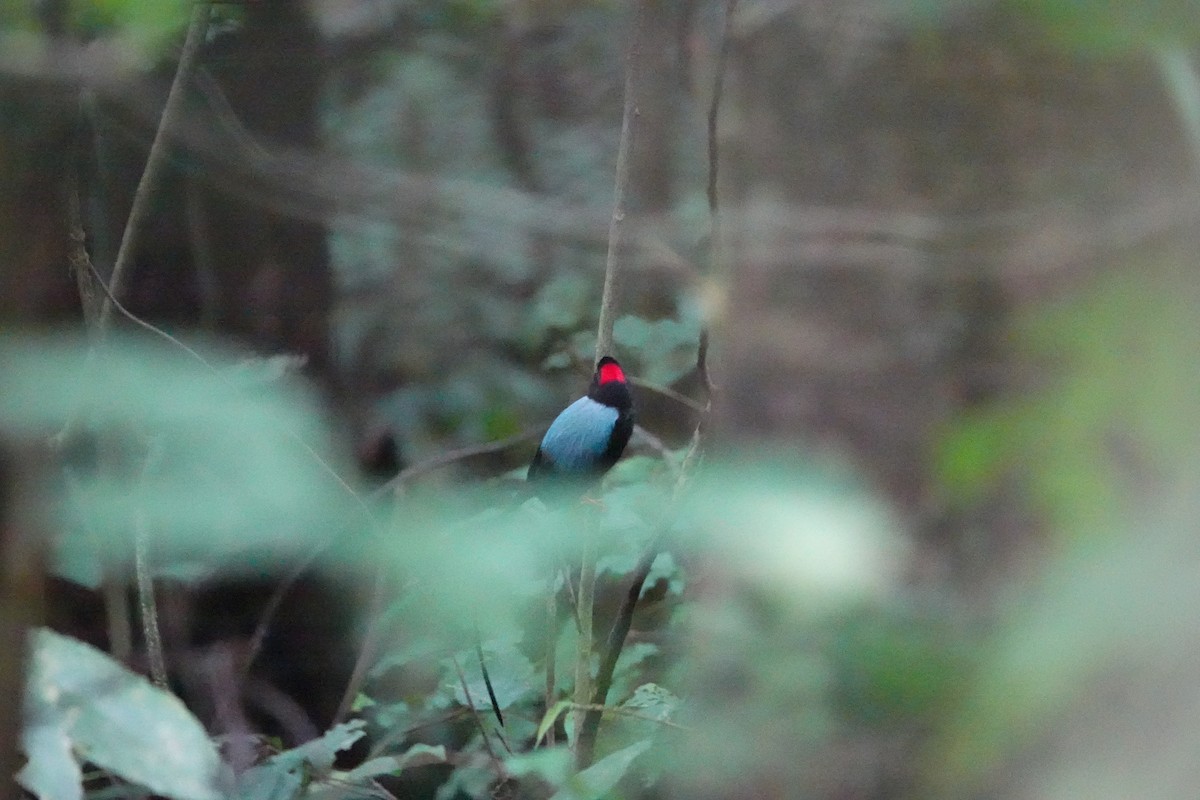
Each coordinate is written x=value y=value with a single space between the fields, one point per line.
x=147 y=602
x=140 y=208
x=116 y=611
x=368 y=648
x=551 y=653
x=618 y=255
x=588 y=730
x=618 y=235
x=583 y=653
x=593 y=707
x=452 y=457
x=487 y=679
x=714 y=115
x=667 y=391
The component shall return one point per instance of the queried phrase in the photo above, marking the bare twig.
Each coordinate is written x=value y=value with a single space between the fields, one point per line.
x=590 y=726
x=584 y=614
x=81 y=262
x=368 y=648
x=453 y=456
x=656 y=444
x=551 y=655
x=714 y=113
x=667 y=391
x=618 y=237
x=147 y=602
x=138 y=211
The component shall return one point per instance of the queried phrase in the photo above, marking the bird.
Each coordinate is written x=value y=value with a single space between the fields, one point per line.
x=588 y=436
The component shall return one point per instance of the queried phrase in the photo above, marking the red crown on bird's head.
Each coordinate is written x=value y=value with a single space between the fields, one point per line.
x=609 y=370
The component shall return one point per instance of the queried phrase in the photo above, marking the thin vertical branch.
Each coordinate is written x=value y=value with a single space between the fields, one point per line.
x=148 y=604
x=551 y=653
x=98 y=323
x=714 y=115
x=583 y=655
x=139 y=210
x=619 y=248
x=619 y=241
x=717 y=259
x=589 y=727
x=615 y=643
x=369 y=647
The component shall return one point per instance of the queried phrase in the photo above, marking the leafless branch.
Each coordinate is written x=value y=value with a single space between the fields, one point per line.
x=369 y=646
x=619 y=254
x=619 y=240
x=667 y=391
x=138 y=212
x=453 y=456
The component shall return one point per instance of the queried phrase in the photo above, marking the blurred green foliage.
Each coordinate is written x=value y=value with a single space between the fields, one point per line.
x=797 y=548
x=229 y=467
x=1106 y=406
x=1100 y=27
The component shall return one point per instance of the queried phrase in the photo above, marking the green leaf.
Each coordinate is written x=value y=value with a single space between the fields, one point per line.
x=550 y=718
x=598 y=779
x=653 y=701
x=474 y=782
x=112 y=718
x=269 y=782
x=321 y=753
x=285 y=774
x=552 y=764
x=416 y=756
x=52 y=773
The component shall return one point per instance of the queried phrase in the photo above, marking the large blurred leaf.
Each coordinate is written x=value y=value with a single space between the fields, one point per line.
x=217 y=464
x=812 y=534
x=111 y=718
